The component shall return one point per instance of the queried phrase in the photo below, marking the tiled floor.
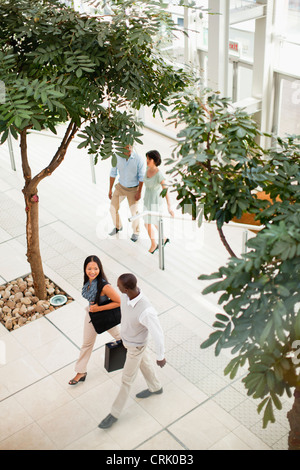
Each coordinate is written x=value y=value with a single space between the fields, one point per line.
x=199 y=409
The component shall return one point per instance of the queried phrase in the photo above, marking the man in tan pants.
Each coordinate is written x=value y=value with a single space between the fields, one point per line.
x=131 y=172
x=138 y=318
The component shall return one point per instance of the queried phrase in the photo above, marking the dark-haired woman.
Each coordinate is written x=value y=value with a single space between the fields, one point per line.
x=154 y=182
x=96 y=290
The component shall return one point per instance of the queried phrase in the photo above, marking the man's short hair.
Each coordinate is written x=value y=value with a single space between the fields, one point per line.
x=128 y=280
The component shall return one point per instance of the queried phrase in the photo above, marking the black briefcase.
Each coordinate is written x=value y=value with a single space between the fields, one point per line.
x=115 y=356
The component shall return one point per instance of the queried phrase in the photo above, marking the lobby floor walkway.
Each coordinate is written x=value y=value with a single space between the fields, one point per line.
x=200 y=407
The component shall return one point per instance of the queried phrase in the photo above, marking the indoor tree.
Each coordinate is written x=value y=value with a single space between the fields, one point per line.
x=218 y=166
x=260 y=321
x=217 y=163
x=89 y=72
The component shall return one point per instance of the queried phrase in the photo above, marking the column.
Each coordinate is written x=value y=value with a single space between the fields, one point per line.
x=263 y=67
x=218 y=46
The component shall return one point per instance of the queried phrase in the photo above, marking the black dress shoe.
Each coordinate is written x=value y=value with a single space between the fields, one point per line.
x=115 y=231
x=107 y=422
x=146 y=393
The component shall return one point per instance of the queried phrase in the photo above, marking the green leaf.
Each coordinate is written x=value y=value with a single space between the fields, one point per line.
x=222 y=317
x=4 y=136
x=82 y=144
x=241 y=133
x=266 y=332
x=269 y=414
x=271 y=380
x=36 y=124
x=211 y=340
x=218 y=324
x=283 y=291
x=276 y=401
x=230 y=366
x=260 y=387
x=114 y=161
x=234 y=371
x=262 y=404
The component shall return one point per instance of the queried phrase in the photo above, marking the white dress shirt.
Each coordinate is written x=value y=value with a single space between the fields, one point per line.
x=149 y=318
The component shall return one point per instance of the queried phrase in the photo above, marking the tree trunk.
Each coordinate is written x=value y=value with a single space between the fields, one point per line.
x=225 y=242
x=32 y=223
x=33 y=244
x=32 y=205
x=294 y=420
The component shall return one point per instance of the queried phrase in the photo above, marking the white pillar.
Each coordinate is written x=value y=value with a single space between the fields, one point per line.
x=186 y=37
x=263 y=66
x=218 y=45
x=281 y=16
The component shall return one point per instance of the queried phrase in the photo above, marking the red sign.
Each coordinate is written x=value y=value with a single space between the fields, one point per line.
x=234 y=46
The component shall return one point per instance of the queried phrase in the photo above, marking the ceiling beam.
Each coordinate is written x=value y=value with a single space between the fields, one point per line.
x=246 y=13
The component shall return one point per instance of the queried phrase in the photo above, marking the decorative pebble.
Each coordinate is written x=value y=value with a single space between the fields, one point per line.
x=19 y=305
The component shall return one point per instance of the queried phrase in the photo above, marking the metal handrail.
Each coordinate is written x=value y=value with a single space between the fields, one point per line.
x=11 y=152
x=246 y=228
x=161 y=247
x=157 y=214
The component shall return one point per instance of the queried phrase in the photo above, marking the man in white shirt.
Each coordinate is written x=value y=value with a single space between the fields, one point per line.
x=131 y=171
x=138 y=318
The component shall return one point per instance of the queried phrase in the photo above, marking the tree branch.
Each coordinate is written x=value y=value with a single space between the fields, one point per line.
x=24 y=157
x=221 y=233
x=59 y=155
x=225 y=243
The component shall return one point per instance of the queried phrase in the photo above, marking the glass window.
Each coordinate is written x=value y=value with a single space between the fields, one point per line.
x=287 y=34
x=290 y=108
x=294 y=5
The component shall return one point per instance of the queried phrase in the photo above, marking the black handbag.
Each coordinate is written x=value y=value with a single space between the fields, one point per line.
x=115 y=356
x=106 y=319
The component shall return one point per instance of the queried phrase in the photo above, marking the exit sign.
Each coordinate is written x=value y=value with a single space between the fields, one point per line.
x=234 y=47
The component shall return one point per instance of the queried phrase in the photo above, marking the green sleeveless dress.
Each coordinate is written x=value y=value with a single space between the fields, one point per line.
x=152 y=199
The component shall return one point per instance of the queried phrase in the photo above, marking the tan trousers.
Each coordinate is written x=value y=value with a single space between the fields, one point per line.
x=136 y=358
x=120 y=193
x=89 y=338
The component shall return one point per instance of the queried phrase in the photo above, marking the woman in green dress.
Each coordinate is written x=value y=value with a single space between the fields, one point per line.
x=154 y=184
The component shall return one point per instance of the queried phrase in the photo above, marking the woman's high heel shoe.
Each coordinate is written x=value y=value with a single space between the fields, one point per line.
x=75 y=382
